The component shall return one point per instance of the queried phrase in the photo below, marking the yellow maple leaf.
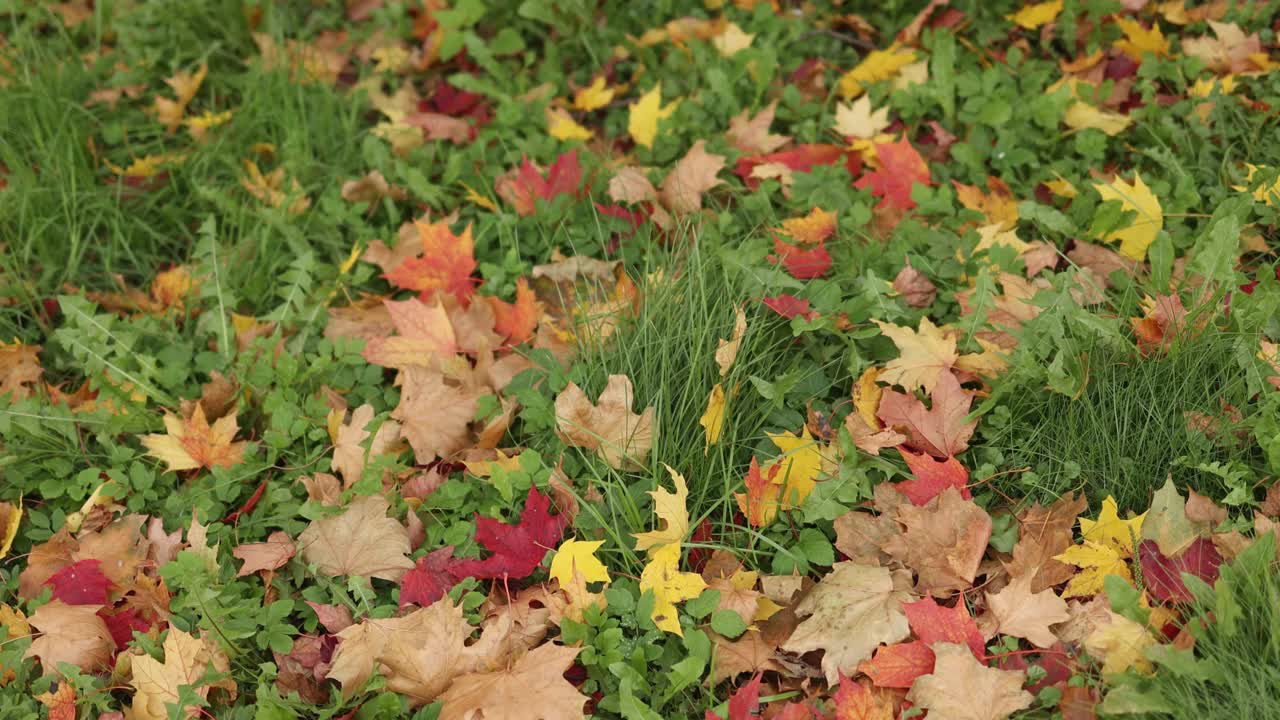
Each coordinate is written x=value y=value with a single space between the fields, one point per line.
x=578 y=556
x=10 y=517
x=1139 y=40
x=1143 y=229
x=732 y=40
x=1264 y=193
x=924 y=354
x=594 y=96
x=858 y=120
x=1082 y=116
x=669 y=585
x=713 y=419
x=1096 y=561
x=1121 y=644
x=1110 y=530
x=798 y=467
x=186 y=661
x=185 y=85
x=876 y=66
x=1037 y=14
x=671 y=509
x=562 y=126
x=194 y=443
x=642 y=123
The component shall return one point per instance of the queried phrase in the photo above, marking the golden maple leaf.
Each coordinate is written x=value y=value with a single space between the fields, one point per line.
x=193 y=443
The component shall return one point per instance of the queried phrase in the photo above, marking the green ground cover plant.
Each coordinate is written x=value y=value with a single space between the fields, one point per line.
x=452 y=359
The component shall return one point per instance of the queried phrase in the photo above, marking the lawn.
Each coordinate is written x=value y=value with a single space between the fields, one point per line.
x=466 y=360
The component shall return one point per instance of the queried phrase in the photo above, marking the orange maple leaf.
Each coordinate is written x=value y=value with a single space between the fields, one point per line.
x=193 y=443
x=516 y=321
x=445 y=266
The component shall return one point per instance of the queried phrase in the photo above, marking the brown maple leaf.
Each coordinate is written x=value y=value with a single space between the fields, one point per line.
x=118 y=548
x=943 y=541
x=622 y=437
x=750 y=653
x=349 y=454
x=193 y=443
x=1043 y=534
x=681 y=191
x=435 y=413
x=265 y=556
x=750 y=134
x=533 y=688
x=186 y=661
x=19 y=369
x=1021 y=613
x=361 y=542
x=72 y=634
x=962 y=688
x=939 y=429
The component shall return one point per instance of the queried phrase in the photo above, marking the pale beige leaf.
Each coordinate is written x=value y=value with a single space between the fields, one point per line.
x=70 y=634
x=1022 y=613
x=962 y=688
x=533 y=688
x=362 y=542
x=435 y=413
x=694 y=175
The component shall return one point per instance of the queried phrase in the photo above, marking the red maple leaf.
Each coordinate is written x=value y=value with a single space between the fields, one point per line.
x=744 y=703
x=516 y=321
x=898 y=666
x=429 y=579
x=1057 y=663
x=801 y=158
x=1163 y=574
x=940 y=429
x=122 y=624
x=932 y=477
x=517 y=549
x=614 y=210
x=528 y=185
x=854 y=700
x=81 y=583
x=934 y=623
x=900 y=168
x=801 y=263
x=445 y=266
x=789 y=306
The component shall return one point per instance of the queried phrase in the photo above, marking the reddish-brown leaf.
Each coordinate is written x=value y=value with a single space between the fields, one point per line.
x=517 y=549
x=898 y=665
x=901 y=167
x=1163 y=575
x=445 y=266
x=934 y=623
x=932 y=477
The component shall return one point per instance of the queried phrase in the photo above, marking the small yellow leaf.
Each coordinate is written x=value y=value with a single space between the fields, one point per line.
x=194 y=443
x=1110 y=530
x=669 y=585
x=1138 y=236
x=1096 y=561
x=670 y=508
x=594 y=96
x=10 y=517
x=578 y=556
x=562 y=126
x=1081 y=116
x=1037 y=14
x=876 y=66
x=732 y=41
x=1263 y=193
x=1139 y=40
x=798 y=467
x=642 y=123
x=713 y=419
x=474 y=197
x=858 y=120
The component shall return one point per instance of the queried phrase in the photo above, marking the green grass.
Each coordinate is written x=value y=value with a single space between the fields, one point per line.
x=1234 y=667
x=1128 y=429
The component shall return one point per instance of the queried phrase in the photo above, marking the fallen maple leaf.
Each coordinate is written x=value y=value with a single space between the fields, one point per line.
x=854 y=701
x=934 y=623
x=800 y=262
x=435 y=413
x=849 y=613
x=159 y=684
x=1121 y=644
x=670 y=507
x=712 y=420
x=429 y=579
x=797 y=469
x=760 y=502
x=1112 y=531
x=533 y=688
x=81 y=583
x=943 y=541
x=962 y=688
x=1142 y=230
x=901 y=167
x=858 y=120
x=750 y=653
x=726 y=350
x=192 y=444
x=516 y=321
x=1044 y=533
x=939 y=430
x=62 y=703
x=932 y=477
x=662 y=575
x=751 y=135
x=349 y=454
x=743 y=704
x=1163 y=574
x=594 y=96
x=19 y=369
x=445 y=266
x=1022 y=613
x=361 y=542
x=1034 y=15
x=923 y=355
x=185 y=85
x=642 y=123
x=1166 y=522
x=72 y=634
x=681 y=191
x=898 y=665
x=915 y=287
x=517 y=549
x=1096 y=561
x=265 y=556
x=789 y=306
x=876 y=66
x=621 y=437
x=523 y=187
x=373 y=188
